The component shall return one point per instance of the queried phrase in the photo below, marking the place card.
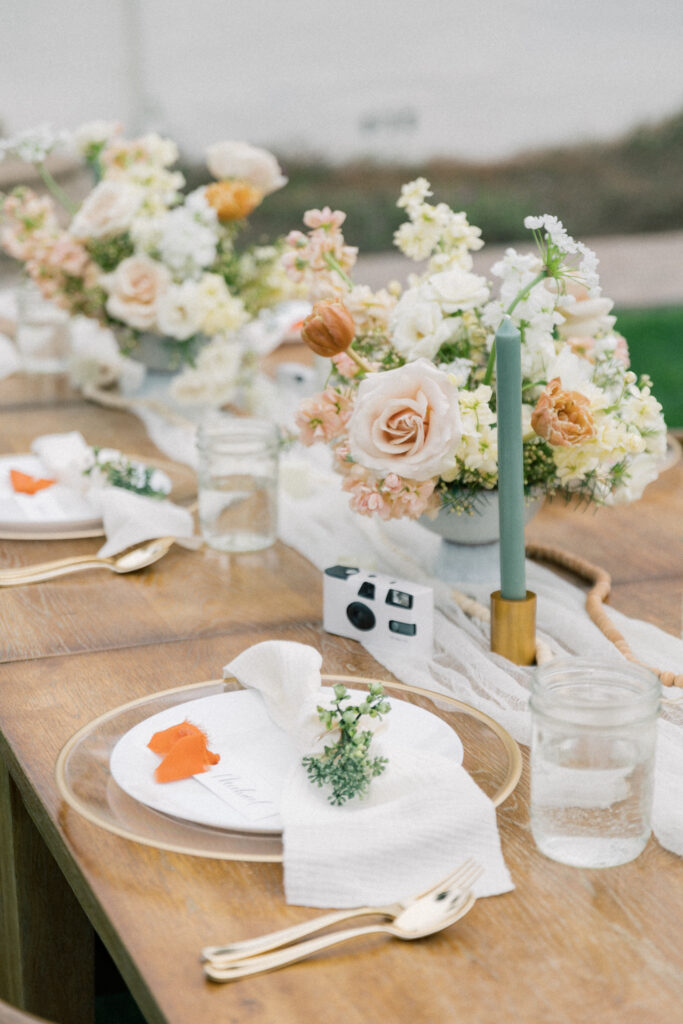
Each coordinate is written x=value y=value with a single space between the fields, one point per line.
x=248 y=796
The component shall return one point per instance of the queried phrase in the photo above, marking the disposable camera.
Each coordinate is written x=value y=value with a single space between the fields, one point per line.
x=379 y=610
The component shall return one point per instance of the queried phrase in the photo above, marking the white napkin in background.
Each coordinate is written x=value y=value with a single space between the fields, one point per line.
x=65 y=457
x=131 y=518
x=421 y=818
x=128 y=518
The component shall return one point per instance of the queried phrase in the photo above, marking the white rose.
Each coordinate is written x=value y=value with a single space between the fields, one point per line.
x=108 y=210
x=418 y=328
x=248 y=163
x=134 y=289
x=456 y=290
x=406 y=421
x=179 y=313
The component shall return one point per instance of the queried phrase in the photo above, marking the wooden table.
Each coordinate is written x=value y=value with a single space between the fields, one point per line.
x=566 y=946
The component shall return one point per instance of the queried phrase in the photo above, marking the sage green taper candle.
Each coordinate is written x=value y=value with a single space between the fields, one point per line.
x=510 y=461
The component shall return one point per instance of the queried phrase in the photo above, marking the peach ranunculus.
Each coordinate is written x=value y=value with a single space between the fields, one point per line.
x=246 y=163
x=329 y=328
x=232 y=200
x=406 y=421
x=134 y=290
x=562 y=418
x=108 y=210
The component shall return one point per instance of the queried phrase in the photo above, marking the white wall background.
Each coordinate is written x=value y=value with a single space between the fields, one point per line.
x=340 y=78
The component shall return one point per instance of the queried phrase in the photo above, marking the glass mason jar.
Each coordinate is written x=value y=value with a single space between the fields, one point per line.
x=592 y=760
x=43 y=336
x=238 y=479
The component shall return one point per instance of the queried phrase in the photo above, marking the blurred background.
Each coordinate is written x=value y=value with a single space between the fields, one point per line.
x=508 y=108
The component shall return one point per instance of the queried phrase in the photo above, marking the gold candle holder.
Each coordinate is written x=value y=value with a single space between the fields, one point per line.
x=513 y=628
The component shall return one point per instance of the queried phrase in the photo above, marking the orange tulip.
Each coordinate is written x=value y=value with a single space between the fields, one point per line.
x=329 y=329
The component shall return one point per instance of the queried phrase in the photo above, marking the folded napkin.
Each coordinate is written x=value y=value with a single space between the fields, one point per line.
x=129 y=518
x=421 y=818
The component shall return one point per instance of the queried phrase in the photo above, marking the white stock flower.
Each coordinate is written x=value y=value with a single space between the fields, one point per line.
x=417 y=239
x=414 y=193
x=186 y=244
x=108 y=210
x=370 y=310
x=220 y=311
x=418 y=327
x=247 y=163
x=215 y=377
x=179 y=312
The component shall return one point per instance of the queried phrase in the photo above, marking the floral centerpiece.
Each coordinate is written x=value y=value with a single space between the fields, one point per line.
x=410 y=407
x=138 y=255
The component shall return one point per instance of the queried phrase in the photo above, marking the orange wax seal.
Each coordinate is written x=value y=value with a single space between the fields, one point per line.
x=24 y=483
x=186 y=752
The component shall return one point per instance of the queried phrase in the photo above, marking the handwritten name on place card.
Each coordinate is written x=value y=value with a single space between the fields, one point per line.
x=251 y=797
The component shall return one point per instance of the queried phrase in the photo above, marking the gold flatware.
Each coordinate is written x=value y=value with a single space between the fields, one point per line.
x=460 y=880
x=131 y=560
x=417 y=921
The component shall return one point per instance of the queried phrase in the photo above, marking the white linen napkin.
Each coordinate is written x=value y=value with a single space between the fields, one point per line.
x=421 y=818
x=128 y=518
x=131 y=518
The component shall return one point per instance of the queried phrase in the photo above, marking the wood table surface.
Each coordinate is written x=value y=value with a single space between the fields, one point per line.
x=566 y=945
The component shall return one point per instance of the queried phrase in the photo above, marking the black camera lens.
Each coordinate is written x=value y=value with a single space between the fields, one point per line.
x=360 y=616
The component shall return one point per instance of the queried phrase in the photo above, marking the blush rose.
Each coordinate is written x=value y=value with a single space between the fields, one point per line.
x=406 y=421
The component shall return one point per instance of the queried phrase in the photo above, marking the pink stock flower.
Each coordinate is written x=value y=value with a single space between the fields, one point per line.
x=326 y=219
x=323 y=417
x=390 y=498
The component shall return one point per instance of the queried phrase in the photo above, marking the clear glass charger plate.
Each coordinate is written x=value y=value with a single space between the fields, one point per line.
x=183 y=491
x=85 y=783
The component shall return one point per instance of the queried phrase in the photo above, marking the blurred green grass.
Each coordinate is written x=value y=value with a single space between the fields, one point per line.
x=655 y=342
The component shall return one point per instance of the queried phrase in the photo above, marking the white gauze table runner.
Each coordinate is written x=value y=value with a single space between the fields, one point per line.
x=314 y=519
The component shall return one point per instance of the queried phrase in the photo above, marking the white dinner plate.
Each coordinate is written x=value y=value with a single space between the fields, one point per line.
x=255 y=758
x=54 y=508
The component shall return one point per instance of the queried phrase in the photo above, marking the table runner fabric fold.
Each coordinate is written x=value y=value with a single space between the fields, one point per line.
x=315 y=520
x=422 y=816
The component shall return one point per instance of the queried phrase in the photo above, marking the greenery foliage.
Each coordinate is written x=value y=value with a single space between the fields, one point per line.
x=345 y=765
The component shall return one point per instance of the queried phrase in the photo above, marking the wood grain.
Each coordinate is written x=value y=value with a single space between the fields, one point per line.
x=565 y=946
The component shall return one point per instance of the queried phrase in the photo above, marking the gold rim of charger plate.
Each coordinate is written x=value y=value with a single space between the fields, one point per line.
x=166 y=465
x=502 y=793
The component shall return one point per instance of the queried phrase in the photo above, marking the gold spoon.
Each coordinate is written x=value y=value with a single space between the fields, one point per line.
x=131 y=560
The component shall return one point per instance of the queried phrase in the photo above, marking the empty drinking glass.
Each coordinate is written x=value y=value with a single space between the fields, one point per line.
x=42 y=334
x=238 y=478
x=592 y=760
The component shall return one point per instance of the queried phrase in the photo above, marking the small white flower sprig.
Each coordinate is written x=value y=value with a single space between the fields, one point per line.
x=410 y=408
